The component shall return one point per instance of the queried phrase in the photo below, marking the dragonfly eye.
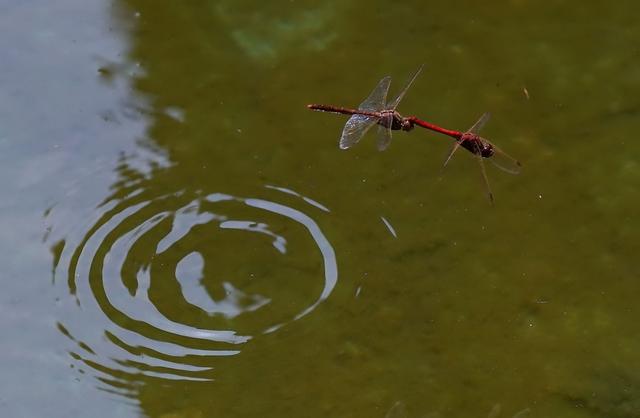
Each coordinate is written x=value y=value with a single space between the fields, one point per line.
x=487 y=150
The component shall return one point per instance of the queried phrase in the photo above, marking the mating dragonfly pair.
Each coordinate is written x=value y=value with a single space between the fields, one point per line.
x=375 y=110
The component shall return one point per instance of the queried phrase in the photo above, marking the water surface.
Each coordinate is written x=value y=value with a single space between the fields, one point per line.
x=182 y=238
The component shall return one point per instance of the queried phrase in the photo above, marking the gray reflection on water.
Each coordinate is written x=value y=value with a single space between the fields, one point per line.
x=136 y=306
x=189 y=273
x=185 y=219
x=328 y=255
x=279 y=242
x=154 y=317
x=293 y=193
x=110 y=273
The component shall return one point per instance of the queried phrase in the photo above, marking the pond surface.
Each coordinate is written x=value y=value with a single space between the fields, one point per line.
x=183 y=238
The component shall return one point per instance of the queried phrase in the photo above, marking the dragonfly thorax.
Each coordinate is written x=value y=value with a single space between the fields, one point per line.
x=477 y=145
x=393 y=120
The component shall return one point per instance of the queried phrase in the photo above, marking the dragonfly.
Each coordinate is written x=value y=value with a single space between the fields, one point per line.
x=483 y=149
x=375 y=110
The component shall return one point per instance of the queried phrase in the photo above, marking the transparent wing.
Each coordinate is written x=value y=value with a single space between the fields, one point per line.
x=454 y=148
x=500 y=159
x=485 y=179
x=354 y=130
x=475 y=129
x=378 y=97
x=395 y=103
x=504 y=161
x=384 y=137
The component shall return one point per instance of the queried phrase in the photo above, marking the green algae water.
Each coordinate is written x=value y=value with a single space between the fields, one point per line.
x=182 y=238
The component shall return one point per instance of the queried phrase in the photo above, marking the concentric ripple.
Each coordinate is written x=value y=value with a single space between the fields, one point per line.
x=165 y=287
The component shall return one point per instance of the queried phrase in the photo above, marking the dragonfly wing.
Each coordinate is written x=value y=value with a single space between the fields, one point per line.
x=485 y=179
x=384 y=137
x=475 y=129
x=454 y=148
x=378 y=97
x=395 y=103
x=504 y=161
x=354 y=130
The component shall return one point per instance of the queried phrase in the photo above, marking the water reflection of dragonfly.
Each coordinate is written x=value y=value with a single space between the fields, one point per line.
x=375 y=110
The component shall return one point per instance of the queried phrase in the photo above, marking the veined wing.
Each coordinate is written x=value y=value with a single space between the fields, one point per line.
x=475 y=129
x=396 y=102
x=500 y=159
x=358 y=125
x=384 y=137
x=504 y=161
x=354 y=130
x=452 y=151
x=378 y=97
x=483 y=171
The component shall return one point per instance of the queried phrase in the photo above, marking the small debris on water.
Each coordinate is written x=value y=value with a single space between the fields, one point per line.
x=389 y=227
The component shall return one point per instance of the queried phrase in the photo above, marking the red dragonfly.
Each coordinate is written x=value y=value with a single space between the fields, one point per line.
x=482 y=149
x=376 y=110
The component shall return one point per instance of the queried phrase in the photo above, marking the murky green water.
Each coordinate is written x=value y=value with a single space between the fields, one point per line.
x=182 y=238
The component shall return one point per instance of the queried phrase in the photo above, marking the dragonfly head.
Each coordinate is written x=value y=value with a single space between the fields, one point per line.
x=406 y=124
x=486 y=149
